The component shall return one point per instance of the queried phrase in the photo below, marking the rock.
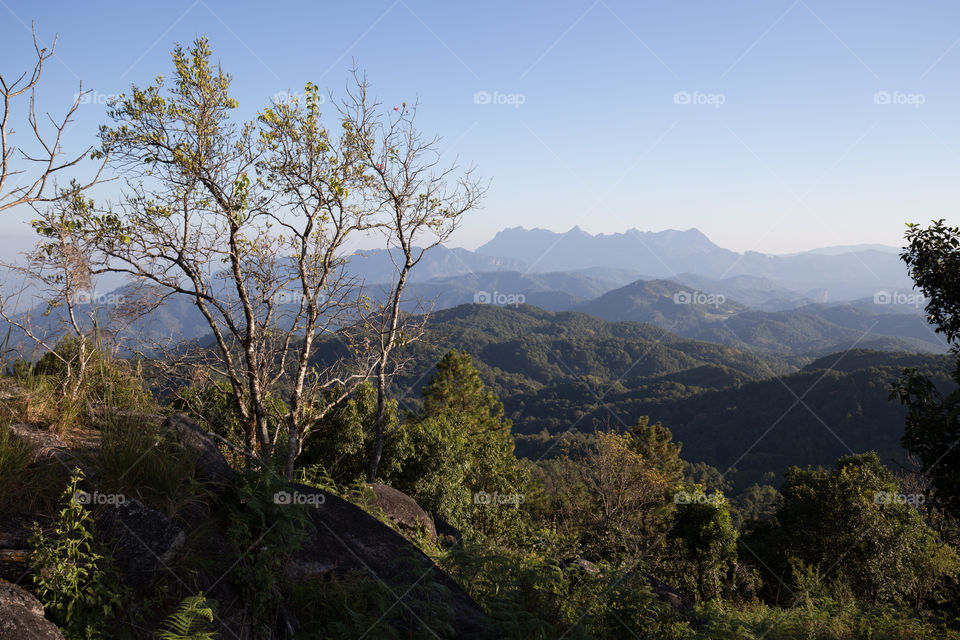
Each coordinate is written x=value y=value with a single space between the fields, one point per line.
x=21 y=616
x=402 y=510
x=584 y=565
x=48 y=447
x=348 y=539
x=142 y=541
x=668 y=594
x=210 y=462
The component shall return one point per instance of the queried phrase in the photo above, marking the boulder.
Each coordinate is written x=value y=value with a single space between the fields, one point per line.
x=201 y=447
x=402 y=510
x=141 y=540
x=347 y=539
x=670 y=595
x=21 y=616
x=49 y=448
x=579 y=563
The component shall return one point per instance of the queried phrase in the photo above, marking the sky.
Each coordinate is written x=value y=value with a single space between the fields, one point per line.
x=775 y=126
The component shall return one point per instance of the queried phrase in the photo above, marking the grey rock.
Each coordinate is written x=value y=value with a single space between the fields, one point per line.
x=210 y=462
x=402 y=510
x=580 y=563
x=346 y=539
x=669 y=594
x=21 y=616
x=141 y=540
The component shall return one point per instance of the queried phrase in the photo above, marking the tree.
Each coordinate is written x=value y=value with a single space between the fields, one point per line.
x=249 y=222
x=705 y=530
x=933 y=420
x=45 y=162
x=459 y=454
x=343 y=440
x=852 y=525
x=60 y=272
x=614 y=499
x=421 y=202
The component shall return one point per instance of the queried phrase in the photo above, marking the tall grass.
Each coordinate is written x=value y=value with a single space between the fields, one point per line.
x=137 y=459
x=24 y=485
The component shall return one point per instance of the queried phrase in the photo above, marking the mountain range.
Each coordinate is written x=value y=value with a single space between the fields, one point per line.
x=811 y=303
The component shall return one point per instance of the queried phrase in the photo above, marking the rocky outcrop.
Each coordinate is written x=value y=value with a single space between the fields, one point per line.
x=581 y=564
x=49 y=448
x=670 y=595
x=347 y=539
x=21 y=616
x=200 y=446
x=402 y=510
x=142 y=542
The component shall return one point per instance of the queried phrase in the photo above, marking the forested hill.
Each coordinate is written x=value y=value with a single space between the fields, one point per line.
x=525 y=348
x=728 y=406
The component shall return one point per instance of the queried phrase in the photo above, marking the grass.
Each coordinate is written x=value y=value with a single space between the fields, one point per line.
x=827 y=622
x=135 y=458
x=24 y=485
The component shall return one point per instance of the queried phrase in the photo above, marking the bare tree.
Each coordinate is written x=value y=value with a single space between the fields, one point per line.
x=45 y=162
x=60 y=271
x=419 y=204
x=249 y=223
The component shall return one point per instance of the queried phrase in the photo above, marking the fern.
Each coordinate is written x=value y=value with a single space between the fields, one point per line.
x=190 y=621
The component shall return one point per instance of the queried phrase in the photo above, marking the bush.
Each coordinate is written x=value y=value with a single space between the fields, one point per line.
x=71 y=578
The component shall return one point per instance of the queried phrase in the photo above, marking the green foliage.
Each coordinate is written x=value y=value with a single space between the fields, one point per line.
x=138 y=459
x=262 y=534
x=458 y=458
x=850 y=621
x=613 y=499
x=16 y=456
x=933 y=422
x=853 y=525
x=191 y=620
x=109 y=381
x=342 y=441
x=932 y=257
x=214 y=407
x=71 y=578
x=702 y=524
x=529 y=596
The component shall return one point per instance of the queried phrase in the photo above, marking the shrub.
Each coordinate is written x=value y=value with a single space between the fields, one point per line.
x=71 y=578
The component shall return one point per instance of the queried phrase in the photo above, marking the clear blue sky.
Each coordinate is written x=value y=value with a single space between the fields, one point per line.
x=798 y=155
